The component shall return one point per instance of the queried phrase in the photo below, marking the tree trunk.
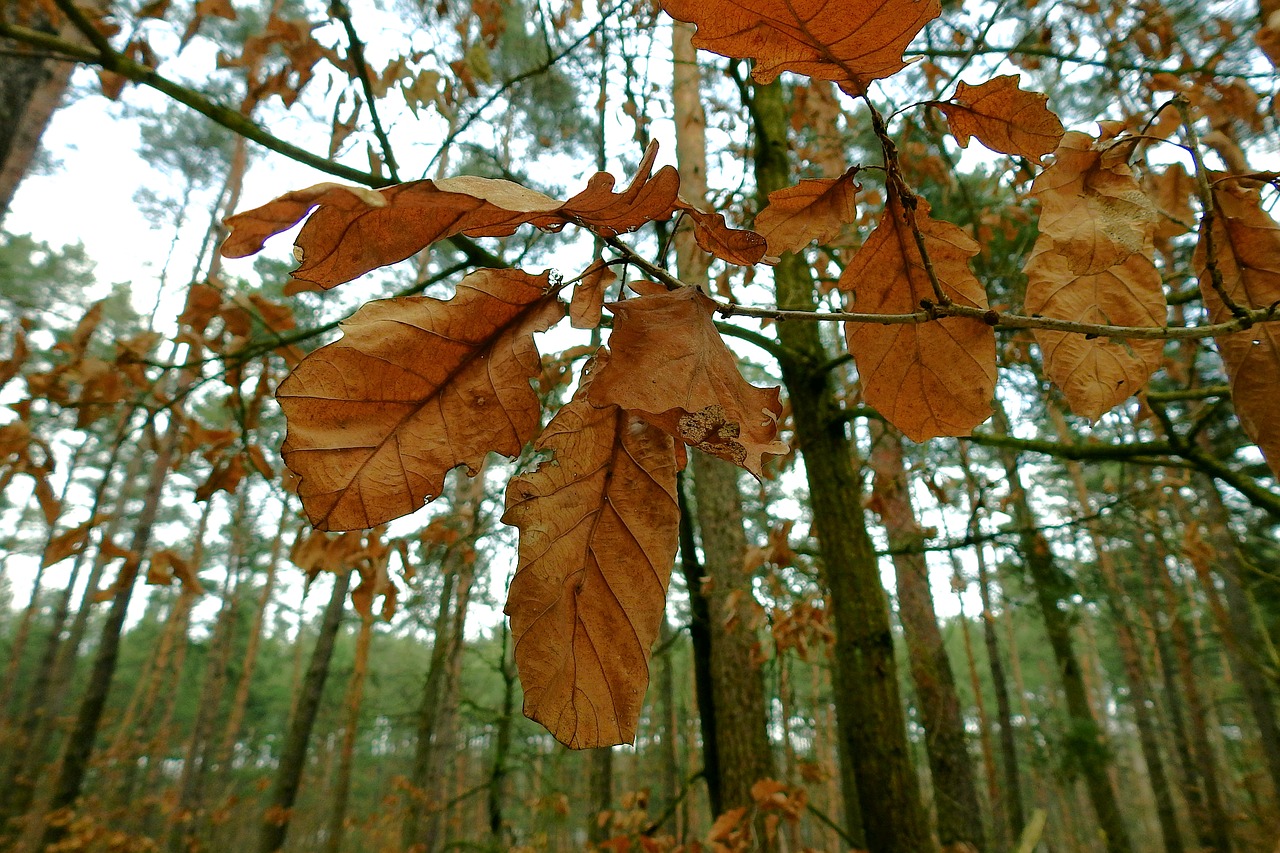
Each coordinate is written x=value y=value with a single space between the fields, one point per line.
x=881 y=789
x=1130 y=655
x=1086 y=740
x=599 y=793
x=185 y=817
x=293 y=752
x=502 y=745
x=80 y=741
x=700 y=641
x=955 y=790
x=354 y=701
x=742 y=736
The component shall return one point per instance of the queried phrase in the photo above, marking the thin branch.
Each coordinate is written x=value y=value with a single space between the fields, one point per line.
x=229 y=118
x=1205 y=393
x=339 y=10
x=1049 y=53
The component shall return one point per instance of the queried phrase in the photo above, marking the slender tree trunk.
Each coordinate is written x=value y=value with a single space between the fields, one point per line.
x=955 y=790
x=1053 y=590
x=428 y=715
x=881 y=789
x=293 y=752
x=669 y=759
x=502 y=745
x=700 y=641
x=185 y=817
x=742 y=736
x=80 y=741
x=1131 y=659
x=346 y=754
x=1212 y=827
x=240 y=701
x=599 y=793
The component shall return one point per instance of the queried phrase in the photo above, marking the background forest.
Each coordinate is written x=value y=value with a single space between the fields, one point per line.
x=1058 y=633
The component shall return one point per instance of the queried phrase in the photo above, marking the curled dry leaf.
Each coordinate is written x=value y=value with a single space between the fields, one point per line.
x=812 y=210
x=1091 y=207
x=1003 y=117
x=415 y=387
x=166 y=566
x=852 y=44
x=599 y=526
x=928 y=379
x=715 y=237
x=670 y=365
x=1091 y=213
x=588 y=295
x=1245 y=244
x=353 y=231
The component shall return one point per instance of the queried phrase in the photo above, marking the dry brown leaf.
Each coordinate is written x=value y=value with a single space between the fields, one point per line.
x=1095 y=373
x=414 y=388
x=816 y=210
x=671 y=365
x=599 y=525
x=1003 y=117
x=1246 y=243
x=588 y=295
x=853 y=43
x=354 y=230
x=928 y=379
x=66 y=544
x=715 y=237
x=1091 y=207
x=1094 y=263
x=166 y=565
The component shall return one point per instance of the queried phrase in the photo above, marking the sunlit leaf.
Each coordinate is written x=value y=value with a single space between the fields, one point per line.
x=1003 y=117
x=815 y=210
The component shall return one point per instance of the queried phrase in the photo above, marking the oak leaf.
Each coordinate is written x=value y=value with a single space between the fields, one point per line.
x=812 y=210
x=166 y=566
x=1245 y=243
x=1003 y=117
x=928 y=379
x=599 y=526
x=354 y=230
x=415 y=387
x=1090 y=205
x=588 y=295
x=851 y=43
x=670 y=365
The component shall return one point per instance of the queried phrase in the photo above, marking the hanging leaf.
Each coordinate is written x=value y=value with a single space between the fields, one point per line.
x=715 y=237
x=588 y=295
x=415 y=387
x=166 y=565
x=1246 y=248
x=67 y=543
x=599 y=527
x=928 y=379
x=854 y=43
x=670 y=365
x=353 y=230
x=1096 y=374
x=1094 y=262
x=815 y=210
x=1003 y=117
x=1090 y=205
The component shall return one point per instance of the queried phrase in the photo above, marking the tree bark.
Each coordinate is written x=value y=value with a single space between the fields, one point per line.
x=1086 y=740
x=959 y=813
x=881 y=790
x=293 y=752
x=346 y=754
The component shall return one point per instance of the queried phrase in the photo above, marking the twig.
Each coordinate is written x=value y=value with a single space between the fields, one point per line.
x=1208 y=209
x=356 y=50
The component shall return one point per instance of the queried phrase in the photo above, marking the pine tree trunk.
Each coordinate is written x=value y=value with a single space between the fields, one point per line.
x=80 y=741
x=502 y=746
x=293 y=751
x=186 y=816
x=669 y=758
x=955 y=790
x=1131 y=659
x=1053 y=590
x=52 y=682
x=599 y=793
x=700 y=642
x=346 y=754
x=742 y=737
x=881 y=789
